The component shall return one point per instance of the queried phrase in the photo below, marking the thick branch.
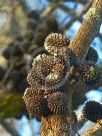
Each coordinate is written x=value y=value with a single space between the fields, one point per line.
x=88 y=30
x=56 y=125
x=96 y=130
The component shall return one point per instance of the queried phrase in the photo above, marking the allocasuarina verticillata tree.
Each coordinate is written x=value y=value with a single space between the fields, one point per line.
x=55 y=72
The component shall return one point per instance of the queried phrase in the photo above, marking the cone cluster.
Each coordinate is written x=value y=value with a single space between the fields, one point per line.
x=45 y=73
x=48 y=70
x=92 y=111
x=92 y=55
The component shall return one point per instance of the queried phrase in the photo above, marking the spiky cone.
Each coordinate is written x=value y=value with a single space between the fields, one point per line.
x=56 y=43
x=47 y=64
x=35 y=103
x=52 y=80
x=92 y=55
x=45 y=73
x=57 y=76
x=42 y=65
x=41 y=81
x=57 y=103
x=34 y=78
x=92 y=111
x=89 y=74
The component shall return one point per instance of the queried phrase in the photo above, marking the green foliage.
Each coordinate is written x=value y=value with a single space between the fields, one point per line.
x=11 y=105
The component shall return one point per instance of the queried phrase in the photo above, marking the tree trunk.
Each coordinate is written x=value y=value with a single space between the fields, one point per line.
x=55 y=125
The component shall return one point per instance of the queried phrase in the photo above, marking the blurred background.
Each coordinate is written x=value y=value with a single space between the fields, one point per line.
x=24 y=25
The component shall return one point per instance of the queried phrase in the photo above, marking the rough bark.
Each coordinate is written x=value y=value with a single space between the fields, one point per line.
x=96 y=130
x=88 y=30
x=56 y=125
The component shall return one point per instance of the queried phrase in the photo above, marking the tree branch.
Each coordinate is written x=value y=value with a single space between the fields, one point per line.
x=56 y=125
x=88 y=30
x=96 y=130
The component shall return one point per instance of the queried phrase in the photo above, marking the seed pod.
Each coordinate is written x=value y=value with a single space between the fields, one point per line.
x=92 y=111
x=56 y=43
x=34 y=78
x=42 y=65
x=92 y=55
x=35 y=103
x=89 y=74
x=57 y=103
